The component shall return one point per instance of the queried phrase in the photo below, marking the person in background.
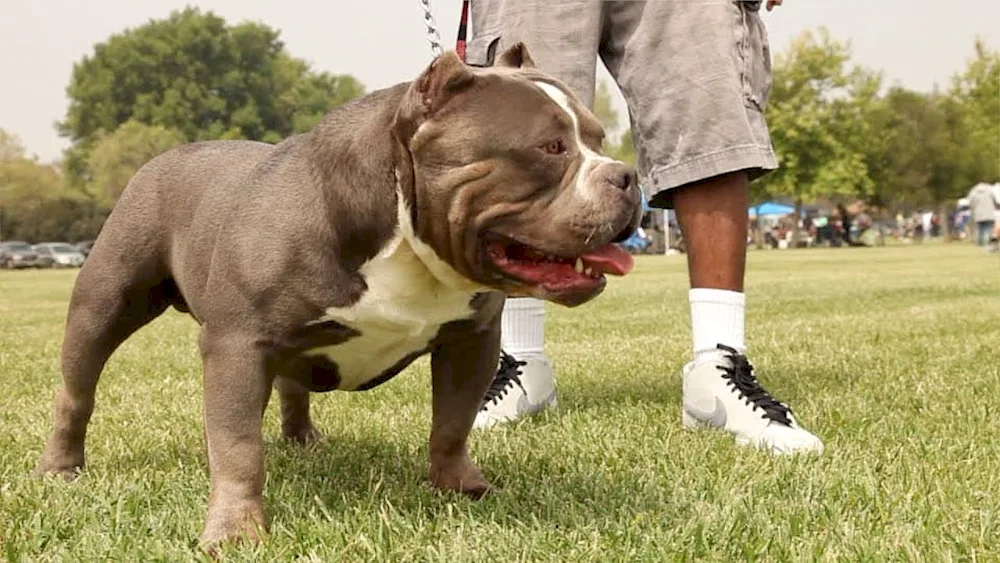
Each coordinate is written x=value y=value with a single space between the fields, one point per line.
x=696 y=78
x=926 y=223
x=983 y=206
x=962 y=218
x=995 y=241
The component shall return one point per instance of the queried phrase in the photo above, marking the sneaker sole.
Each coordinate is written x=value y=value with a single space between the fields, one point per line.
x=689 y=422
x=553 y=403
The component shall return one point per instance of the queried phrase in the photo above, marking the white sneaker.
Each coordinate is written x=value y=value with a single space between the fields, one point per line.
x=519 y=389
x=723 y=392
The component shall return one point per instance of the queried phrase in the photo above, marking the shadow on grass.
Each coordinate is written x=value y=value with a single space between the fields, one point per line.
x=345 y=476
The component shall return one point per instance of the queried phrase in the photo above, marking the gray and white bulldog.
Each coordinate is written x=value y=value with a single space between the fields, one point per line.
x=335 y=258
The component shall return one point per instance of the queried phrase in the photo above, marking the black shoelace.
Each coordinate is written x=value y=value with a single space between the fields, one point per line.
x=509 y=373
x=741 y=377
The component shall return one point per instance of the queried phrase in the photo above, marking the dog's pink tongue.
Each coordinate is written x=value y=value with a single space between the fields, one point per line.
x=609 y=259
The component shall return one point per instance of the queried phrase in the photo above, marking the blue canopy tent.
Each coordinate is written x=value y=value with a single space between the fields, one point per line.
x=771 y=209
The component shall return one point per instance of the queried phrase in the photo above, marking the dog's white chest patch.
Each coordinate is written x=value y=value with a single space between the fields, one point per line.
x=401 y=312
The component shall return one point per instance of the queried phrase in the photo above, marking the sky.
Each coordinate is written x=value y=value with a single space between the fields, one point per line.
x=916 y=43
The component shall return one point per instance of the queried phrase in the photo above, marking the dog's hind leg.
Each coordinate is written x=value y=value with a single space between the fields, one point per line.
x=296 y=423
x=107 y=306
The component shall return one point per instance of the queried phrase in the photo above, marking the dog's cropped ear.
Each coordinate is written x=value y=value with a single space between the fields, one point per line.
x=516 y=57
x=446 y=76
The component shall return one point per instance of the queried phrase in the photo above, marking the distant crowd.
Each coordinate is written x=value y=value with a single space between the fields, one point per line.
x=975 y=217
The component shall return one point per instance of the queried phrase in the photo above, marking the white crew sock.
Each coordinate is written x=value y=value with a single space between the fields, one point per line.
x=717 y=317
x=523 y=327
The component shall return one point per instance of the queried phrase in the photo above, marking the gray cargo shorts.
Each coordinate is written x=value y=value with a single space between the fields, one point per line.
x=696 y=75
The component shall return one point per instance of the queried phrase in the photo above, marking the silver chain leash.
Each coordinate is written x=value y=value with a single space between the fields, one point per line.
x=433 y=37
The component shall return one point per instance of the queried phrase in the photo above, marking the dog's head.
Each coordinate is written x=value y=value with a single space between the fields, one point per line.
x=502 y=172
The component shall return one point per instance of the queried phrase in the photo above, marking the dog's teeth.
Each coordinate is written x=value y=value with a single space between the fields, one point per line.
x=579 y=265
x=589 y=272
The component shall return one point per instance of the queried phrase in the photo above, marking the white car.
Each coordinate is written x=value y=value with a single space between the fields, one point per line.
x=63 y=255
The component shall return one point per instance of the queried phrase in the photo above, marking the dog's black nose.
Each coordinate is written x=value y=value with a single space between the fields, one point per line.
x=621 y=176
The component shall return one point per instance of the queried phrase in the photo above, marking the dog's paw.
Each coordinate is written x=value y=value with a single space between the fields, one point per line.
x=233 y=524
x=67 y=470
x=461 y=477
x=303 y=435
x=68 y=474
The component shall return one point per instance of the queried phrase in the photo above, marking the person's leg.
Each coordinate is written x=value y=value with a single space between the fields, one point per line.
x=525 y=383
x=696 y=77
x=562 y=39
x=713 y=217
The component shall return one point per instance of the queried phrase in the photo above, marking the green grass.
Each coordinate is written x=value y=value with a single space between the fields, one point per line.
x=890 y=355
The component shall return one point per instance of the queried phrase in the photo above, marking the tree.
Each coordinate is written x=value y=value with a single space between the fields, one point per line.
x=818 y=118
x=115 y=158
x=623 y=148
x=25 y=185
x=11 y=146
x=976 y=94
x=928 y=149
x=34 y=205
x=60 y=218
x=604 y=110
x=910 y=147
x=193 y=73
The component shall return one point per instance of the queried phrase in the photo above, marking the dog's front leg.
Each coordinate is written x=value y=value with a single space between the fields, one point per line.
x=461 y=370
x=237 y=387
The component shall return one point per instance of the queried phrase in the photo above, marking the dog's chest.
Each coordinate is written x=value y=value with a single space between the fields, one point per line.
x=402 y=310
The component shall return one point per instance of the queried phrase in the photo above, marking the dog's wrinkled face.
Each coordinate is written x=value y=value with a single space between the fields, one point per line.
x=503 y=174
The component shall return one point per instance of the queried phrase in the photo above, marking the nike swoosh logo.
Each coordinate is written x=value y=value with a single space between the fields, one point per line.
x=525 y=405
x=715 y=418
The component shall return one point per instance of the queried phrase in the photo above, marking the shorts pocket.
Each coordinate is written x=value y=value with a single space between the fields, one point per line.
x=755 y=55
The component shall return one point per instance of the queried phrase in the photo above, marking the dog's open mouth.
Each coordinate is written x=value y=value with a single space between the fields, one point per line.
x=558 y=275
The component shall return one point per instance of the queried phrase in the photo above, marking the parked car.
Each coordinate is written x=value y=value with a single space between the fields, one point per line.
x=63 y=255
x=84 y=247
x=19 y=254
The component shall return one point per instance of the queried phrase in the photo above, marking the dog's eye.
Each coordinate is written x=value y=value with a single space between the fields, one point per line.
x=553 y=147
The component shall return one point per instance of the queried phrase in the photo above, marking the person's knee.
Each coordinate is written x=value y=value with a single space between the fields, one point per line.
x=722 y=191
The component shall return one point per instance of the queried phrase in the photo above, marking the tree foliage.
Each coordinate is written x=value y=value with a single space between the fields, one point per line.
x=620 y=148
x=194 y=73
x=928 y=149
x=116 y=157
x=11 y=146
x=25 y=186
x=56 y=219
x=604 y=109
x=819 y=121
x=976 y=96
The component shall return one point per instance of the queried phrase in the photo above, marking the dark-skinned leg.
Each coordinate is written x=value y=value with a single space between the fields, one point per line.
x=713 y=218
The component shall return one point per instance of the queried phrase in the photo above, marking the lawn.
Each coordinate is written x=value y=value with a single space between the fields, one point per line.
x=889 y=354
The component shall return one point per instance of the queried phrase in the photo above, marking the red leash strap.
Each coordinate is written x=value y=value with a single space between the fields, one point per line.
x=463 y=30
